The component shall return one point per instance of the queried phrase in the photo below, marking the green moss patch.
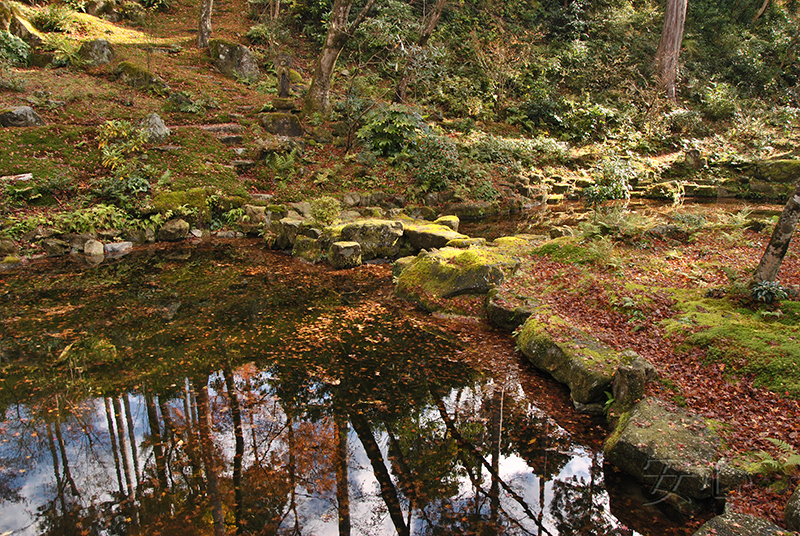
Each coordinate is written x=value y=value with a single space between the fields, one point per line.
x=567 y=249
x=762 y=343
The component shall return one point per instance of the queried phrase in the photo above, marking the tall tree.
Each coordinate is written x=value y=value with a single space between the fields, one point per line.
x=779 y=242
x=339 y=31
x=669 y=47
x=429 y=23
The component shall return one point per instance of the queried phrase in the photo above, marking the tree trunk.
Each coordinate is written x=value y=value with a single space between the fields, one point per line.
x=318 y=97
x=779 y=242
x=204 y=30
x=670 y=46
x=427 y=30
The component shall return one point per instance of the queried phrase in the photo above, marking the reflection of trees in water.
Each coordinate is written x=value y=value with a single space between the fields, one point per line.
x=274 y=447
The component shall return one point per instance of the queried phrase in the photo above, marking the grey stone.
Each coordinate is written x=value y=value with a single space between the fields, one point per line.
x=234 y=60
x=55 y=247
x=630 y=380
x=282 y=124
x=20 y=116
x=8 y=247
x=670 y=450
x=303 y=208
x=344 y=255
x=93 y=248
x=287 y=231
x=351 y=199
x=736 y=524
x=502 y=313
x=378 y=238
x=791 y=515
x=173 y=230
x=96 y=52
x=155 y=128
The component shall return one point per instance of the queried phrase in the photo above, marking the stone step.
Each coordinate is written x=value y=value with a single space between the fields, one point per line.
x=230 y=139
x=243 y=165
x=223 y=128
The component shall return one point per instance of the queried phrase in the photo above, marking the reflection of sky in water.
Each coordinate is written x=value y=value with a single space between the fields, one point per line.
x=89 y=451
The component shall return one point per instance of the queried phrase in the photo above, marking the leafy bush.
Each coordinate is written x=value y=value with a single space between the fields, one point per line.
x=156 y=5
x=719 y=101
x=613 y=178
x=512 y=152
x=436 y=161
x=571 y=120
x=390 y=130
x=13 y=49
x=311 y=17
x=325 y=210
x=268 y=33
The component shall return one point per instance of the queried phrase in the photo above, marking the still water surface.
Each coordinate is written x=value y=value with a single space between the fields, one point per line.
x=210 y=390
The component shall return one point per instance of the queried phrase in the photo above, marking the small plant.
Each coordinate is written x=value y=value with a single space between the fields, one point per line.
x=53 y=18
x=768 y=292
x=325 y=209
x=765 y=464
x=13 y=49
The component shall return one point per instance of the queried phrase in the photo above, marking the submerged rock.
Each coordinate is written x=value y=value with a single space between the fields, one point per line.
x=671 y=451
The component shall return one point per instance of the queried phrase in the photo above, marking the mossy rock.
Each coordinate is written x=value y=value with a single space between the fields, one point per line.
x=307 y=249
x=571 y=356
x=295 y=77
x=177 y=202
x=451 y=272
x=670 y=450
x=473 y=211
x=504 y=311
x=138 y=77
x=378 y=238
x=786 y=171
x=736 y=524
x=429 y=235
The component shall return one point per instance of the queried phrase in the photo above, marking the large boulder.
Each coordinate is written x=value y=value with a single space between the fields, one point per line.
x=287 y=231
x=791 y=515
x=736 y=524
x=234 y=60
x=378 y=238
x=55 y=247
x=281 y=124
x=429 y=235
x=96 y=52
x=140 y=78
x=473 y=210
x=14 y=22
x=20 y=116
x=671 y=451
x=8 y=247
x=573 y=357
x=451 y=272
x=630 y=380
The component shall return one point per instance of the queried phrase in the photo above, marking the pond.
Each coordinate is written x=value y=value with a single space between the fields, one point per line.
x=212 y=389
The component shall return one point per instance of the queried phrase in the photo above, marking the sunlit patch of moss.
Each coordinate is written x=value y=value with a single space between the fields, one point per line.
x=567 y=249
x=48 y=152
x=750 y=342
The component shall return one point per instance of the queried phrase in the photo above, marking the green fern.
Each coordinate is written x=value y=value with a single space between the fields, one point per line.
x=787 y=463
